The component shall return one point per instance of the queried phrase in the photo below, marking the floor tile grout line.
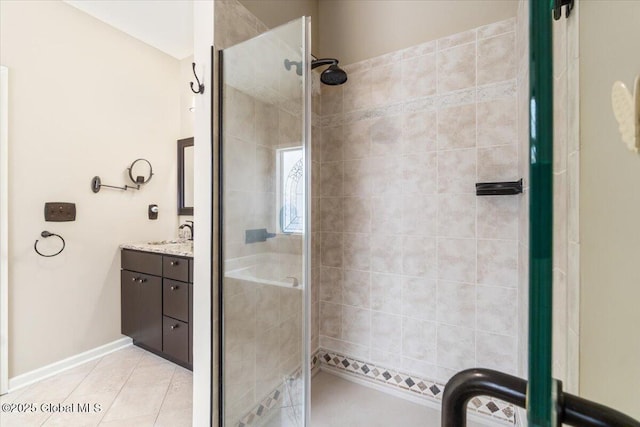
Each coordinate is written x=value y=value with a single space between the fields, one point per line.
x=74 y=389
x=121 y=388
x=165 y=395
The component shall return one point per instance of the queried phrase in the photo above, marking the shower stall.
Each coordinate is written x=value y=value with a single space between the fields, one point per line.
x=353 y=240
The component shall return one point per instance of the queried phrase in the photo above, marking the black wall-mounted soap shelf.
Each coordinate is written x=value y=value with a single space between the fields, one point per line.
x=499 y=188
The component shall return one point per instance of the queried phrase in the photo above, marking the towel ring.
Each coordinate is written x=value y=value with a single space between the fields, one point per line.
x=46 y=234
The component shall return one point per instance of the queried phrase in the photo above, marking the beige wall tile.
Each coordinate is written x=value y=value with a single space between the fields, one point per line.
x=496 y=59
x=332 y=144
x=357 y=214
x=357 y=251
x=419 y=339
x=456 y=347
x=497 y=122
x=418 y=298
x=498 y=217
x=456 y=304
x=419 y=132
x=457 y=215
x=356 y=325
x=457 y=171
x=419 y=76
x=332 y=100
x=386 y=293
x=386 y=253
x=419 y=256
x=332 y=249
x=356 y=288
x=357 y=139
x=357 y=91
x=330 y=319
x=499 y=309
x=386 y=332
x=386 y=136
x=358 y=177
x=332 y=214
x=331 y=179
x=498 y=164
x=457 y=67
x=496 y=352
x=457 y=260
x=419 y=214
x=498 y=262
x=457 y=127
x=419 y=173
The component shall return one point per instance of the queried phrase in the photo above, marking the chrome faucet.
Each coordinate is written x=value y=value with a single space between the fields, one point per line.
x=190 y=227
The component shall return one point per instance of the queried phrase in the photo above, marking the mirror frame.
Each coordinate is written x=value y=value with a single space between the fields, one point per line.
x=182 y=144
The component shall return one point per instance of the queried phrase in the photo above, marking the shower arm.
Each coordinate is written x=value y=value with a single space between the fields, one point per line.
x=320 y=62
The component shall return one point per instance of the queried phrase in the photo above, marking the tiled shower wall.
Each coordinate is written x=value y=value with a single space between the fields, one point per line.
x=417 y=272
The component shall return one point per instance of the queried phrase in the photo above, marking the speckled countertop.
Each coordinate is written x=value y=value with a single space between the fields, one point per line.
x=167 y=247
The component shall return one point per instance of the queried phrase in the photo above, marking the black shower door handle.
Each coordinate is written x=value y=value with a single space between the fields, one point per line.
x=572 y=410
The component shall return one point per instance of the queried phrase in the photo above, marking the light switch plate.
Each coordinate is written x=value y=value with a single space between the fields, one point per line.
x=59 y=211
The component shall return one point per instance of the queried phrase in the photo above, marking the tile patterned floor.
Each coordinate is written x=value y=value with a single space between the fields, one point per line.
x=133 y=387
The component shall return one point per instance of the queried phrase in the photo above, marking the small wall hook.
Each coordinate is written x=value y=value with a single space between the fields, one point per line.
x=200 y=85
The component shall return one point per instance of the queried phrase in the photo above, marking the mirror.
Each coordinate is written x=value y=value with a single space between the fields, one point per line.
x=185 y=176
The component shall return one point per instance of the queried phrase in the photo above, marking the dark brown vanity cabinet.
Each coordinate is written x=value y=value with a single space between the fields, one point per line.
x=156 y=303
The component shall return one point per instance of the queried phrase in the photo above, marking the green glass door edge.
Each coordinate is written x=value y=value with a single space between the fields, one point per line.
x=540 y=407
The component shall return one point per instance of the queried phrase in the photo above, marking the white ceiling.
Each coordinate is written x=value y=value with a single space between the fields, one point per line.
x=166 y=25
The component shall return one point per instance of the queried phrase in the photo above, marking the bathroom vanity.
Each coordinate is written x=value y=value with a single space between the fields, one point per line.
x=157 y=298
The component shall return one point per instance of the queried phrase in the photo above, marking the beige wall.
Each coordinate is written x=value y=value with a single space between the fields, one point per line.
x=86 y=100
x=609 y=210
x=277 y=12
x=353 y=30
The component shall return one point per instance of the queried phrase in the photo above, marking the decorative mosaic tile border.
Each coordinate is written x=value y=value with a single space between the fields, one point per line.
x=262 y=409
x=484 y=405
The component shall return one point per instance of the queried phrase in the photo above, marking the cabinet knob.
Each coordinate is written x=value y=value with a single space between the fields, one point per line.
x=142 y=280
x=133 y=279
x=174 y=263
x=175 y=287
x=174 y=327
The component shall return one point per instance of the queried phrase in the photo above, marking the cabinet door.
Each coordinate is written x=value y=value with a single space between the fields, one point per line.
x=128 y=303
x=149 y=315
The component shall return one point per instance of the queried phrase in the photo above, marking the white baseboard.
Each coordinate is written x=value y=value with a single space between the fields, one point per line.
x=472 y=417
x=40 y=374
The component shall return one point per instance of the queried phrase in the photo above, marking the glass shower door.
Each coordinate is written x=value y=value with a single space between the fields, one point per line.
x=264 y=158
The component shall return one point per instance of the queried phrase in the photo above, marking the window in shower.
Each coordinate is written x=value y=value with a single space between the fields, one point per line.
x=291 y=189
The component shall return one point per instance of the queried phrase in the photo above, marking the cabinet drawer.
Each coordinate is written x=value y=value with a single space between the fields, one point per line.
x=143 y=262
x=175 y=338
x=175 y=268
x=175 y=299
